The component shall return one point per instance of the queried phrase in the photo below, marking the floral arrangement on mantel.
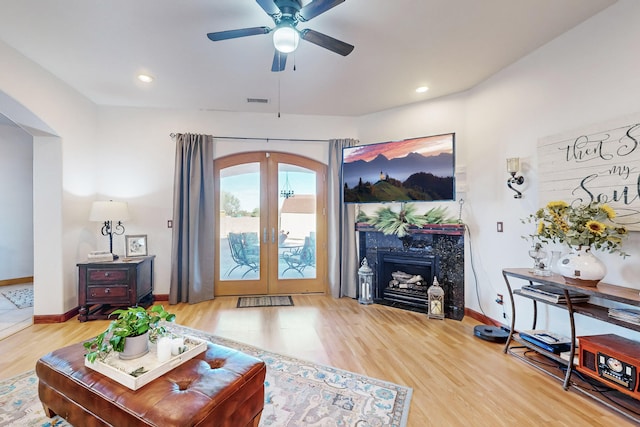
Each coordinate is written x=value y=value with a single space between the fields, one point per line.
x=390 y=222
x=589 y=224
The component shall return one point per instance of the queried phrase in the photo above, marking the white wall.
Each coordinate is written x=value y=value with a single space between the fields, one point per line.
x=586 y=76
x=84 y=153
x=62 y=123
x=16 y=193
x=137 y=162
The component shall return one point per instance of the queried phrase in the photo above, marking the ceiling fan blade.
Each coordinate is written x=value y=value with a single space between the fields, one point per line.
x=279 y=61
x=326 y=42
x=270 y=7
x=232 y=34
x=317 y=7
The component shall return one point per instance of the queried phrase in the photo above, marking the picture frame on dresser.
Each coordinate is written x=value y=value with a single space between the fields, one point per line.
x=135 y=245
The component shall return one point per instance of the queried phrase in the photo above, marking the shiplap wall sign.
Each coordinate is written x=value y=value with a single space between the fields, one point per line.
x=597 y=163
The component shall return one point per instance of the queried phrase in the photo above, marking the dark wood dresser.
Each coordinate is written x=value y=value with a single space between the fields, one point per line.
x=106 y=286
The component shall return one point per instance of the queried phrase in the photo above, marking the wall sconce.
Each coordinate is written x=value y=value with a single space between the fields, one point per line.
x=513 y=165
x=108 y=212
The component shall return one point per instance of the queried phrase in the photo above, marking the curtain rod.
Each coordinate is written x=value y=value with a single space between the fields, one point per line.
x=173 y=135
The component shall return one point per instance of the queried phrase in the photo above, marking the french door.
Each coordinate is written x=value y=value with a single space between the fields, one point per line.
x=271 y=224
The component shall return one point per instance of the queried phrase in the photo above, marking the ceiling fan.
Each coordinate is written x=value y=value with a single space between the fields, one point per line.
x=286 y=15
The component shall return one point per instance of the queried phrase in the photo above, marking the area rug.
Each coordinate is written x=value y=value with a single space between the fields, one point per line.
x=19 y=404
x=269 y=301
x=297 y=394
x=21 y=298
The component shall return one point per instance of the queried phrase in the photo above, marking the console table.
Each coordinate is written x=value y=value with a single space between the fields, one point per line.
x=603 y=291
x=105 y=286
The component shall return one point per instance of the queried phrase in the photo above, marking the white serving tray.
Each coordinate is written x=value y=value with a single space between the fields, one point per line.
x=119 y=370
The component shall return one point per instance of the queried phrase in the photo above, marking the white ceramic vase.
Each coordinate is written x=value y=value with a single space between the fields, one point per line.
x=581 y=267
x=135 y=347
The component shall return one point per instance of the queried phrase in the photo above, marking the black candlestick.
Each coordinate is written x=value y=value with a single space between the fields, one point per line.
x=109 y=230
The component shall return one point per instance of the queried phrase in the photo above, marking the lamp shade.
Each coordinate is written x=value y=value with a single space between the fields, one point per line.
x=513 y=164
x=109 y=211
x=286 y=39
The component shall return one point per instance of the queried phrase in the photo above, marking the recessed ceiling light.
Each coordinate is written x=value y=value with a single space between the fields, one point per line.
x=422 y=89
x=145 y=78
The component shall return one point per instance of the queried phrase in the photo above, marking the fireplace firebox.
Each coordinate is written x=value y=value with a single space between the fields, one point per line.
x=404 y=278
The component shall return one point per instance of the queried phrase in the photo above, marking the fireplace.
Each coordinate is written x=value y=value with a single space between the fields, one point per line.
x=404 y=278
x=428 y=252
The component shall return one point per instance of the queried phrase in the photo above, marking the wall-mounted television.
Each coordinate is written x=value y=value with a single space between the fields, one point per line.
x=417 y=169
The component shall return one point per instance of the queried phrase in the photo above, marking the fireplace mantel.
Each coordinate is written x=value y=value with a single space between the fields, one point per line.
x=448 y=229
x=445 y=242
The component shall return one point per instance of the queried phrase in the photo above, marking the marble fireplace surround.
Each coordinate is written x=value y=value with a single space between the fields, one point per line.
x=444 y=243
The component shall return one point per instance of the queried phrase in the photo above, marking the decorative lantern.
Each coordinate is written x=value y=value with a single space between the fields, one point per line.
x=365 y=278
x=435 y=294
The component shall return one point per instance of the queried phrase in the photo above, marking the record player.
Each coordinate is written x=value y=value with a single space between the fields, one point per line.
x=613 y=360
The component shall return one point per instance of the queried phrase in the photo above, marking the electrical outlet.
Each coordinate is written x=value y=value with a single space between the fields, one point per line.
x=499 y=226
x=500 y=299
x=169 y=223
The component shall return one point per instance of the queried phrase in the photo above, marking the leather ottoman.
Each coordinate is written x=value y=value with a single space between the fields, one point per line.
x=219 y=387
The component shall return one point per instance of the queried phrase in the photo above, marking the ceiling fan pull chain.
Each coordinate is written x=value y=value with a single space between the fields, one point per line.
x=279 y=94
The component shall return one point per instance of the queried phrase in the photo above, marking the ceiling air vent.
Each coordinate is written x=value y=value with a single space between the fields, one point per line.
x=257 y=100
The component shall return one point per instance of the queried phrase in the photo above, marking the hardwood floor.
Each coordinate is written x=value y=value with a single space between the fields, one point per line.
x=457 y=379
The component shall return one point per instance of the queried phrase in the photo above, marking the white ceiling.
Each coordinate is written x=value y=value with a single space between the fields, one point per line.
x=99 y=46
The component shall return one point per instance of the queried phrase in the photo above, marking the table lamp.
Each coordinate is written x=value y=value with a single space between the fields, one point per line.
x=108 y=212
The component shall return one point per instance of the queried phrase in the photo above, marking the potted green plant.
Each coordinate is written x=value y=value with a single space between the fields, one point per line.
x=131 y=322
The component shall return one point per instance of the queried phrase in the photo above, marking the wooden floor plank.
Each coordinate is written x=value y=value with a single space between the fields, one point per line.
x=457 y=378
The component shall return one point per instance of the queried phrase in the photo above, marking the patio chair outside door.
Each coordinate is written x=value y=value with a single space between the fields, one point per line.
x=243 y=256
x=301 y=258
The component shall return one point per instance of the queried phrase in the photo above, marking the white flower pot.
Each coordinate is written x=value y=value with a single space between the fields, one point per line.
x=581 y=267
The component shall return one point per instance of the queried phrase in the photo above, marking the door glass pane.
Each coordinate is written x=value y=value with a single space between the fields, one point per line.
x=240 y=222
x=297 y=222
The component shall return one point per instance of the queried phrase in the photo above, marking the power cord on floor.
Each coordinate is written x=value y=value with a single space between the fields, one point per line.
x=475 y=277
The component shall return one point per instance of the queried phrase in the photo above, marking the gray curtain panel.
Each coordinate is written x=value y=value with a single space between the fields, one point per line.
x=341 y=240
x=192 y=252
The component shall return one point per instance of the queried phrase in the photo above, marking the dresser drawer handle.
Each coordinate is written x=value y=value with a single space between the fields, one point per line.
x=106 y=274
x=107 y=291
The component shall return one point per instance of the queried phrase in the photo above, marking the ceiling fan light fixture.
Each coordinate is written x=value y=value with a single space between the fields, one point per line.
x=286 y=14
x=286 y=38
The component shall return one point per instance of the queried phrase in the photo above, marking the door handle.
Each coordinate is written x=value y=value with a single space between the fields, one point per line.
x=265 y=238
x=273 y=235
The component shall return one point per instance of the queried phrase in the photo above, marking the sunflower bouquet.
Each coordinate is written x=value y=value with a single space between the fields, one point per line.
x=589 y=224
